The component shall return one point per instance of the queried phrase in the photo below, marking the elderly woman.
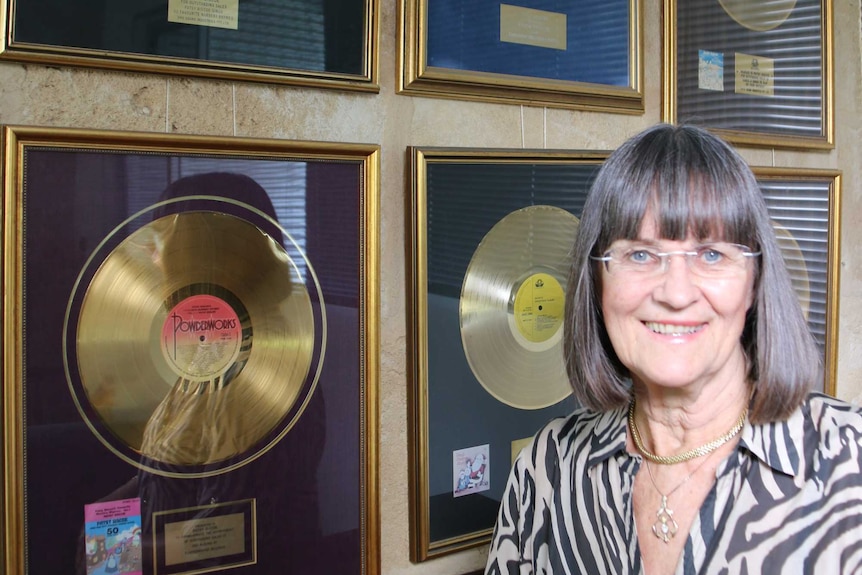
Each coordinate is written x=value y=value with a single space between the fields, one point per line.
x=700 y=447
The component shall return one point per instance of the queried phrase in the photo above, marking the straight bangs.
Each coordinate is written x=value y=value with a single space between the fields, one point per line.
x=707 y=207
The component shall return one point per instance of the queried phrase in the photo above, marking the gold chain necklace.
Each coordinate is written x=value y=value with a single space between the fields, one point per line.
x=691 y=453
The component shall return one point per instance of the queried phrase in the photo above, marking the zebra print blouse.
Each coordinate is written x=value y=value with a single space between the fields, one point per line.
x=788 y=500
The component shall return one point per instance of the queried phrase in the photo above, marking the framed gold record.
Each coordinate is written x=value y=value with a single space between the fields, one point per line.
x=757 y=73
x=190 y=331
x=805 y=207
x=490 y=238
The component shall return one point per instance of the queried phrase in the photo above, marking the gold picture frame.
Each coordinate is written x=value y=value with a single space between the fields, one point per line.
x=759 y=74
x=328 y=44
x=805 y=206
x=460 y=200
x=581 y=58
x=75 y=204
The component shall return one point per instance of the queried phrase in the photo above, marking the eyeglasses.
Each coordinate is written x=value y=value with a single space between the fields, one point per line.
x=717 y=259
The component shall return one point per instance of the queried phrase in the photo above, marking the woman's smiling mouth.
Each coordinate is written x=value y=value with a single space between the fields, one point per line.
x=672 y=329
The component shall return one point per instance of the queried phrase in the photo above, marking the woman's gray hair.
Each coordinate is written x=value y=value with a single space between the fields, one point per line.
x=695 y=184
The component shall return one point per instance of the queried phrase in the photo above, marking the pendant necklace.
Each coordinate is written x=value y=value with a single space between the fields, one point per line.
x=665 y=527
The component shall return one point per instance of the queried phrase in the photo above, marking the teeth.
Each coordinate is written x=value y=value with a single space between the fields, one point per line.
x=670 y=329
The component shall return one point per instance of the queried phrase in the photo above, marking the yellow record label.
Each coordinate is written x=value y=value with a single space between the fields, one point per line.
x=538 y=308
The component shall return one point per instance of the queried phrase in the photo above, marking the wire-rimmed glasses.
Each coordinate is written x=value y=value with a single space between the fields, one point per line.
x=710 y=260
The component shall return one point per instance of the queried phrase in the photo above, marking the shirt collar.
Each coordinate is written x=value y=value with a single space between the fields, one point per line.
x=777 y=444
x=609 y=436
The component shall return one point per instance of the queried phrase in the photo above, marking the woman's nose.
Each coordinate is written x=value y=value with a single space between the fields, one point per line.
x=678 y=286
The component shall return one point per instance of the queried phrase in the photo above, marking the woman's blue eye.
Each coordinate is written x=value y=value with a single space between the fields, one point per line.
x=711 y=255
x=640 y=256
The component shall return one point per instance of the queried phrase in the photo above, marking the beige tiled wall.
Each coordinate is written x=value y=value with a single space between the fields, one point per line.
x=64 y=97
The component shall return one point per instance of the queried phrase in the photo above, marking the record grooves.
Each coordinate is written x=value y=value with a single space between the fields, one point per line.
x=196 y=344
x=512 y=306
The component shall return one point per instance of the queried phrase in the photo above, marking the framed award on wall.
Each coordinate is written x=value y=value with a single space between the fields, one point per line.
x=758 y=73
x=582 y=54
x=489 y=259
x=189 y=354
x=324 y=44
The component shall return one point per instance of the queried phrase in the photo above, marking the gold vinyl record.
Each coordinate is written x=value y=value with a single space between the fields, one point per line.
x=195 y=339
x=795 y=263
x=759 y=15
x=512 y=306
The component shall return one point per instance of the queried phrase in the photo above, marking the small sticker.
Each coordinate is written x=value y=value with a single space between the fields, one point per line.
x=471 y=470
x=112 y=537
x=710 y=70
x=518 y=445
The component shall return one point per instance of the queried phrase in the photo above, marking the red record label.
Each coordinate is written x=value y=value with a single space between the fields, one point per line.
x=201 y=337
